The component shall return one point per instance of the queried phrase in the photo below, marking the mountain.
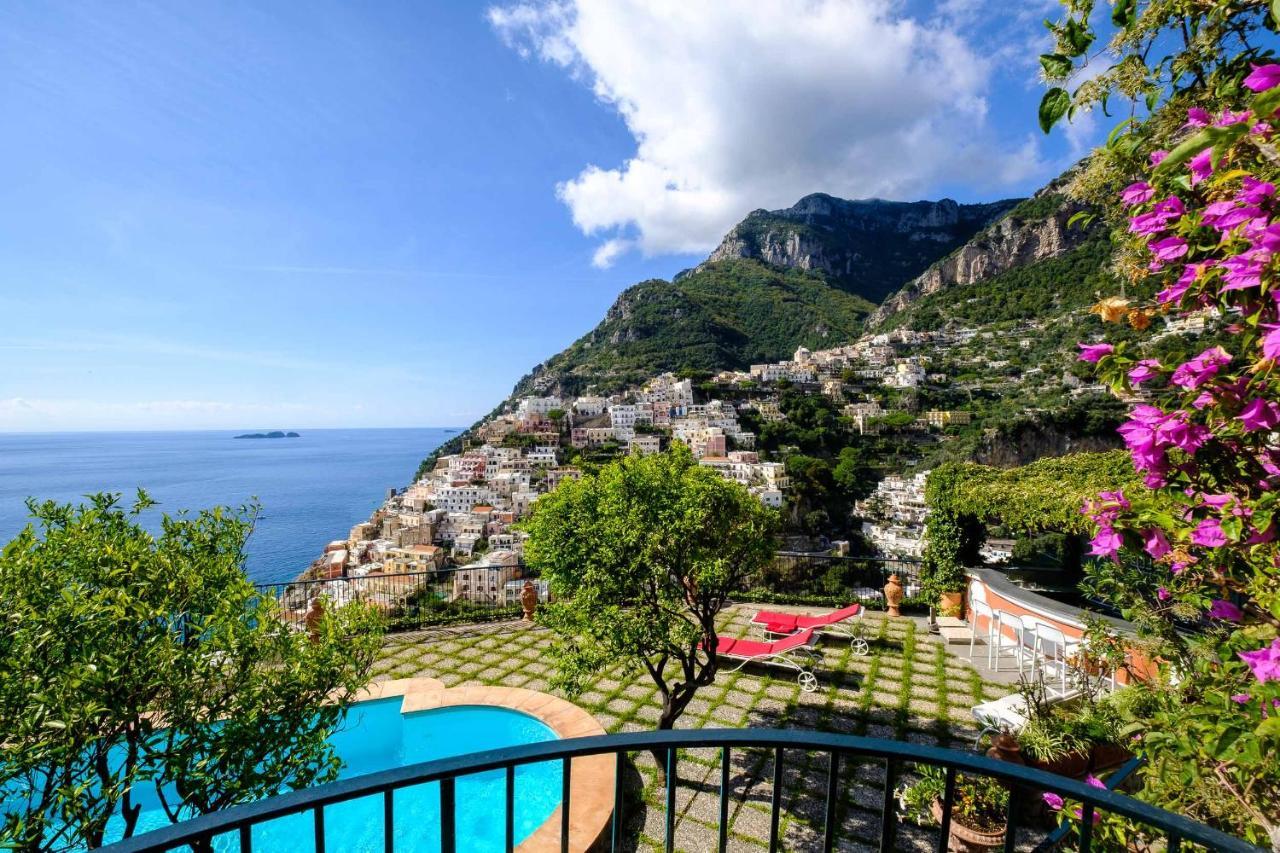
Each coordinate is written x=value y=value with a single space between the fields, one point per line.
x=722 y=315
x=1029 y=263
x=867 y=247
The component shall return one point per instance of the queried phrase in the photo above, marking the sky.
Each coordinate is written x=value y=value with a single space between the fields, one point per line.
x=289 y=215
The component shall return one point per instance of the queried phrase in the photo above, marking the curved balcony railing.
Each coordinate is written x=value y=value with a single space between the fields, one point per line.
x=238 y=821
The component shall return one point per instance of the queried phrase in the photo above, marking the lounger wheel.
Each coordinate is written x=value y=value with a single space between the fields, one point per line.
x=861 y=646
x=808 y=682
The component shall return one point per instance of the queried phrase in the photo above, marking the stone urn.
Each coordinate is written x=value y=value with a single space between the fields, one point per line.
x=893 y=595
x=312 y=619
x=529 y=600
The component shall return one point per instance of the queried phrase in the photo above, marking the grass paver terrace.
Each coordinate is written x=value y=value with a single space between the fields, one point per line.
x=908 y=688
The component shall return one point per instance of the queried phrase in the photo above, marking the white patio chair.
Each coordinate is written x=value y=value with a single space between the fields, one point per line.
x=979 y=610
x=1051 y=657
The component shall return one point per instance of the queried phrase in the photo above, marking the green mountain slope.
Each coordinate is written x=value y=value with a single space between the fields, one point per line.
x=726 y=314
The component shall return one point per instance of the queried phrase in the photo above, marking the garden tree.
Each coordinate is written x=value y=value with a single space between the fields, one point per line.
x=1190 y=189
x=131 y=662
x=641 y=558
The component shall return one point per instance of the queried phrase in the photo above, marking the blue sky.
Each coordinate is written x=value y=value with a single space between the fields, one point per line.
x=243 y=215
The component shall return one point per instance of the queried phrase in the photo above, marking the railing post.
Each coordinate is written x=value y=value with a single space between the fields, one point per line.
x=448 y=829
x=888 y=812
x=671 y=800
x=833 y=800
x=948 y=800
x=388 y=821
x=722 y=842
x=775 y=800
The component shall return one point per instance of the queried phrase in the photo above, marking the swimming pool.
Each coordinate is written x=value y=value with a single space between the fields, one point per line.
x=377 y=736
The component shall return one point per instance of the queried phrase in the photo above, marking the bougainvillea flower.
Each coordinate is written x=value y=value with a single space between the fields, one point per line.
x=1261 y=537
x=1242 y=271
x=1221 y=609
x=1198 y=117
x=1080 y=814
x=1260 y=414
x=1267 y=239
x=1265 y=662
x=1208 y=534
x=1263 y=77
x=1052 y=800
x=1229 y=118
x=1201 y=369
x=1241 y=698
x=1137 y=193
x=1201 y=166
x=1169 y=249
x=1148 y=368
x=1205 y=400
x=1106 y=543
x=1093 y=352
x=1155 y=542
x=1163 y=594
x=1254 y=191
x=1271 y=341
x=1159 y=217
x=1095 y=782
x=1117 y=497
x=1157 y=157
x=1231 y=217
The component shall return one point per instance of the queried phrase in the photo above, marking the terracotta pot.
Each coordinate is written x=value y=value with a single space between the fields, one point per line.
x=1104 y=756
x=1073 y=765
x=965 y=839
x=951 y=603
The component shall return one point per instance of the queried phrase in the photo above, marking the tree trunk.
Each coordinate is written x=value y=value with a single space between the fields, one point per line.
x=671 y=710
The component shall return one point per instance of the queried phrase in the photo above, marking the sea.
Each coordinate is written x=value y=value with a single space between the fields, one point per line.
x=312 y=489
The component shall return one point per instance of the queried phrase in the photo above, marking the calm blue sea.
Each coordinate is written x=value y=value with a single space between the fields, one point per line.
x=312 y=489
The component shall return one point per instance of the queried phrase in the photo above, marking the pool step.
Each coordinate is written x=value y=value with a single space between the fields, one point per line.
x=954 y=631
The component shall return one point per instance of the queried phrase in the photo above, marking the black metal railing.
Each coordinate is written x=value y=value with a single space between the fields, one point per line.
x=235 y=824
x=824 y=579
x=414 y=599
x=460 y=594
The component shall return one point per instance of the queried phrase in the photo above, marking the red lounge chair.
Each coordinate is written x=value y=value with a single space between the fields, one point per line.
x=795 y=652
x=845 y=622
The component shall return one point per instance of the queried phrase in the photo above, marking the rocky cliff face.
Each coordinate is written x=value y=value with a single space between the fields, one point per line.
x=867 y=247
x=1011 y=241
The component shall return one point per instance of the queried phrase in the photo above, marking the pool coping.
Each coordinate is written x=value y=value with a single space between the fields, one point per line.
x=592 y=776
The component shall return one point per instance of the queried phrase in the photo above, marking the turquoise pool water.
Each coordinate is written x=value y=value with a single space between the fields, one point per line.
x=378 y=737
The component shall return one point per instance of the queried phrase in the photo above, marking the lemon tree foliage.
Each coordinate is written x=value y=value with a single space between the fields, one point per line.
x=1188 y=184
x=641 y=557
x=137 y=667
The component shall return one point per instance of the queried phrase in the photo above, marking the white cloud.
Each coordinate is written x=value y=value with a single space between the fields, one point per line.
x=754 y=103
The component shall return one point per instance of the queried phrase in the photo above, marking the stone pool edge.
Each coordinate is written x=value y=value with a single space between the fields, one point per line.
x=591 y=782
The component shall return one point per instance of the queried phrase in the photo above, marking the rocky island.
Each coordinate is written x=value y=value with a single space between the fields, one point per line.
x=272 y=434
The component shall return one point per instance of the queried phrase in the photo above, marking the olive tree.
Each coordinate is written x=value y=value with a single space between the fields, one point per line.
x=641 y=559
x=133 y=663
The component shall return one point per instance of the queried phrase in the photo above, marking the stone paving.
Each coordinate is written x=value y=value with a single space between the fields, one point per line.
x=909 y=687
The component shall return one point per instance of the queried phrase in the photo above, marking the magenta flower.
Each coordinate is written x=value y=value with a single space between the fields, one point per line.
x=1201 y=369
x=1229 y=118
x=1201 y=166
x=1106 y=543
x=1241 y=698
x=1158 y=218
x=1260 y=414
x=1225 y=215
x=1265 y=662
x=1095 y=782
x=1148 y=368
x=1263 y=77
x=1198 y=117
x=1169 y=249
x=1254 y=191
x=1243 y=271
x=1157 y=157
x=1271 y=342
x=1208 y=534
x=1080 y=814
x=1163 y=594
x=1137 y=193
x=1155 y=542
x=1052 y=800
x=1092 y=353
x=1221 y=609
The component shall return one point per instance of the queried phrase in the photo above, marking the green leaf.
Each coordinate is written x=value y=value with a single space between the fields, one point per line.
x=1185 y=151
x=1275 y=12
x=1082 y=216
x=1078 y=36
x=1053 y=106
x=1056 y=66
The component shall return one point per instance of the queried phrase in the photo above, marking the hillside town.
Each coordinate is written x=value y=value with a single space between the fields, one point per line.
x=464 y=511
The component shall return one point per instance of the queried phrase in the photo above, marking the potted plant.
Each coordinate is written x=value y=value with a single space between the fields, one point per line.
x=1054 y=744
x=978 y=809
